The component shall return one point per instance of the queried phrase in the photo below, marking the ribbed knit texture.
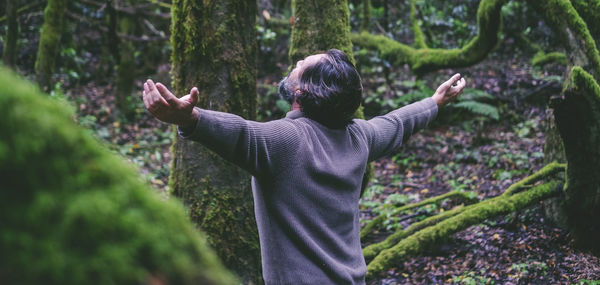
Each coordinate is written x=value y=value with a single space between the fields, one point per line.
x=306 y=185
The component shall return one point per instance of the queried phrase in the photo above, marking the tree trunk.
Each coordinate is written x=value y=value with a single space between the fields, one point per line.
x=49 y=46
x=577 y=116
x=578 y=120
x=126 y=62
x=319 y=26
x=214 y=48
x=9 y=56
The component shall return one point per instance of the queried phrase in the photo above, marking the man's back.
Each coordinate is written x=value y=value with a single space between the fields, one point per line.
x=306 y=185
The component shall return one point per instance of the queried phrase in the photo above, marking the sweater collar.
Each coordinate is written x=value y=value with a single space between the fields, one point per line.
x=294 y=114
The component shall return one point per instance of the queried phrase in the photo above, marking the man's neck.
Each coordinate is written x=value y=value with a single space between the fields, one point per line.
x=295 y=106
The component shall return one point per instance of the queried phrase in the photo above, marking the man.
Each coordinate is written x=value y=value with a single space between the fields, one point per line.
x=307 y=167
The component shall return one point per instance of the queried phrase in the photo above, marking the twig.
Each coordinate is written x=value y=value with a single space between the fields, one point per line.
x=143 y=38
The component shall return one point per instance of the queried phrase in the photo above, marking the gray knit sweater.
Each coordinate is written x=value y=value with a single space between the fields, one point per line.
x=306 y=184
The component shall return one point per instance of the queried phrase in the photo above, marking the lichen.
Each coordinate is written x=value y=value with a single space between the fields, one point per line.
x=73 y=213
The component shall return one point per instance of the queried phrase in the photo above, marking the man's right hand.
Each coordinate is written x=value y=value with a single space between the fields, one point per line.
x=165 y=106
x=449 y=90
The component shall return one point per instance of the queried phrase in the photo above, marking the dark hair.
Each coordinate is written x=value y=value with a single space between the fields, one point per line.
x=331 y=90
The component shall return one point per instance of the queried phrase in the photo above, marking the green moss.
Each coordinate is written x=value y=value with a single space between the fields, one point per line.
x=374 y=249
x=49 y=46
x=365 y=20
x=564 y=19
x=546 y=171
x=319 y=26
x=541 y=58
x=419 y=38
x=589 y=10
x=373 y=224
x=425 y=60
x=73 y=213
x=477 y=213
x=578 y=121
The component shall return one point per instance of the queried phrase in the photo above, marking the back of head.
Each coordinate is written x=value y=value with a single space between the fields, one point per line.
x=331 y=90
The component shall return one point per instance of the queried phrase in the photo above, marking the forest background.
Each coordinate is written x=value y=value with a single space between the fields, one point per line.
x=493 y=137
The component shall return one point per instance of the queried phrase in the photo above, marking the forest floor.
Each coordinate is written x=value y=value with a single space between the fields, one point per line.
x=521 y=248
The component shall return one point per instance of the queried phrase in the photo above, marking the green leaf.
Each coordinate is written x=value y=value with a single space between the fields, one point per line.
x=479 y=108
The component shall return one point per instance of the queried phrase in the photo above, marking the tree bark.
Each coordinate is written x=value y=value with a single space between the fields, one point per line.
x=49 y=46
x=9 y=56
x=126 y=61
x=319 y=26
x=577 y=116
x=214 y=48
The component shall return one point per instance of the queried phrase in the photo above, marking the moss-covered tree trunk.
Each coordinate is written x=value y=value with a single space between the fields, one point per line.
x=126 y=68
x=319 y=26
x=80 y=214
x=214 y=48
x=9 y=55
x=577 y=115
x=49 y=47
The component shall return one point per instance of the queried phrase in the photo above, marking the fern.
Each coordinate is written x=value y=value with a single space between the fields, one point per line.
x=479 y=108
x=472 y=94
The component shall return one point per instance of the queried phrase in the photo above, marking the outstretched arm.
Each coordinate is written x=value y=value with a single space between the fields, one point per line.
x=250 y=145
x=386 y=133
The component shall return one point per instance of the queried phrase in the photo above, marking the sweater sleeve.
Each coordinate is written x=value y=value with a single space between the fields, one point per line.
x=388 y=132
x=253 y=146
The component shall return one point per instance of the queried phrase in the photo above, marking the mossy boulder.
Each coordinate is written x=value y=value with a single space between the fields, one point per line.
x=73 y=213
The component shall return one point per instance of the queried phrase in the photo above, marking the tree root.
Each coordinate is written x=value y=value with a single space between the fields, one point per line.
x=475 y=214
x=541 y=58
x=373 y=224
x=421 y=235
x=371 y=251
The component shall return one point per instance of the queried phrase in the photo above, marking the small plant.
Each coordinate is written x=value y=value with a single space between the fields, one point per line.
x=523 y=270
x=476 y=101
x=472 y=278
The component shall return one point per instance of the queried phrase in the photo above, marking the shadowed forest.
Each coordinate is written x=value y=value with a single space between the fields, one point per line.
x=503 y=187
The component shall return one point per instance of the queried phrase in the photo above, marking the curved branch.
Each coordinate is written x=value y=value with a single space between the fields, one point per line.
x=564 y=19
x=372 y=250
x=589 y=10
x=479 y=212
x=371 y=226
x=424 y=60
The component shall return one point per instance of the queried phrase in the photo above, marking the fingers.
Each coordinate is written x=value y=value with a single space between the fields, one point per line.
x=155 y=100
x=145 y=99
x=451 y=81
x=165 y=93
x=195 y=96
